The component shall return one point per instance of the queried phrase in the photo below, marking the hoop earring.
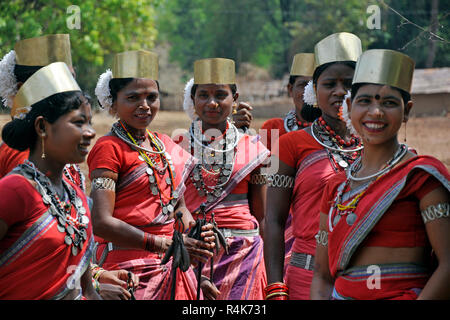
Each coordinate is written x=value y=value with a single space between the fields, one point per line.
x=43 y=146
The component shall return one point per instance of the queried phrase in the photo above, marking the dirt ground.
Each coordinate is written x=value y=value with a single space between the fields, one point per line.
x=429 y=135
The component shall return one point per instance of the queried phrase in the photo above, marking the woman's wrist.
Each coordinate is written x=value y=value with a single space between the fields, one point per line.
x=276 y=291
x=154 y=243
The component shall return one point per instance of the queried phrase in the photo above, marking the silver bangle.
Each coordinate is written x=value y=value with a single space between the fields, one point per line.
x=435 y=211
x=258 y=178
x=322 y=237
x=103 y=183
x=281 y=181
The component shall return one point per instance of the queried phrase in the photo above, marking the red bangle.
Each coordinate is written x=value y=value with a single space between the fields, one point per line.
x=276 y=291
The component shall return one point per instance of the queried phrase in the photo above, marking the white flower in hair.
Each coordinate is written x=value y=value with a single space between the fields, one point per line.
x=346 y=114
x=102 y=90
x=309 y=96
x=188 y=104
x=8 y=81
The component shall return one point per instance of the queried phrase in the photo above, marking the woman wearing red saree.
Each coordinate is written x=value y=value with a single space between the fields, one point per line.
x=307 y=159
x=138 y=182
x=226 y=181
x=384 y=227
x=46 y=239
x=298 y=118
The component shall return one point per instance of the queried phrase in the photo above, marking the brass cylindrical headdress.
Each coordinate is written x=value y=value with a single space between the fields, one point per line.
x=136 y=64
x=386 y=67
x=303 y=65
x=44 y=50
x=214 y=70
x=47 y=81
x=342 y=46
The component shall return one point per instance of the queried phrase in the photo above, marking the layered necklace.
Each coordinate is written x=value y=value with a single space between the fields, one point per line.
x=73 y=227
x=158 y=162
x=348 y=210
x=291 y=123
x=217 y=157
x=340 y=152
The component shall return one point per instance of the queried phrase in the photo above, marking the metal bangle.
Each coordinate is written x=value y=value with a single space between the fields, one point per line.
x=258 y=178
x=322 y=237
x=436 y=211
x=103 y=183
x=281 y=181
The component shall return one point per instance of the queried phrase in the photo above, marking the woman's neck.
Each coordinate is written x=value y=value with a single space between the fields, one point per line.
x=375 y=156
x=137 y=133
x=53 y=170
x=222 y=127
x=338 y=126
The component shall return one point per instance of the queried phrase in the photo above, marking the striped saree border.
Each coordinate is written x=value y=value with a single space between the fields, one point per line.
x=82 y=266
x=31 y=235
x=363 y=228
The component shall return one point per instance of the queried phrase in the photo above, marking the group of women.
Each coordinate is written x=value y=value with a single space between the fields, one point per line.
x=211 y=213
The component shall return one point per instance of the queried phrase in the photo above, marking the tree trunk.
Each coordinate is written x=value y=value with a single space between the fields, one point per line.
x=434 y=23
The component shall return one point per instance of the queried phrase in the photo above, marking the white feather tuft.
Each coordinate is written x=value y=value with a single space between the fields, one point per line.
x=346 y=114
x=188 y=104
x=102 y=90
x=8 y=81
x=309 y=96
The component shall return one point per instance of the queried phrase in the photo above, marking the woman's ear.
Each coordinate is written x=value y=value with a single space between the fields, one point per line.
x=289 y=90
x=348 y=101
x=408 y=107
x=40 y=125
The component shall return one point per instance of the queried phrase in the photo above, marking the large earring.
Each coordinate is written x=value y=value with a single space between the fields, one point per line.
x=234 y=108
x=405 y=131
x=43 y=146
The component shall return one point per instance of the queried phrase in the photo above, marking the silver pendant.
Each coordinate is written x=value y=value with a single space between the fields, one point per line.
x=351 y=218
x=46 y=199
x=82 y=211
x=74 y=251
x=78 y=202
x=84 y=220
x=343 y=163
x=168 y=181
x=68 y=240
x=69 y=230
x=149 y=171
x=60 y=228
x=336 y=219
x=140 y=158
x=170 y=208
x=154 y=190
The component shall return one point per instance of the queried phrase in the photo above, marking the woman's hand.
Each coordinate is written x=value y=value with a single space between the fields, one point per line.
x=242 y=116
x=210 y=291
x=113 y=292
x=200 y=250
x=118 y=277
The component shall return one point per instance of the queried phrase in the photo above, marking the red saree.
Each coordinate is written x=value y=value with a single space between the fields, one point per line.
x=10 y=158
x=388 y=215
x=137 y=206
x=299 y=150
x=240 y=275
x=35 y=263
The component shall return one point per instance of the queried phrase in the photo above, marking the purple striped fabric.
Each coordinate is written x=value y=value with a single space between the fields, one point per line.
x=241 y=274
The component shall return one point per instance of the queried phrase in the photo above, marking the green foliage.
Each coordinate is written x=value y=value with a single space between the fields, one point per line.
x=107 y=27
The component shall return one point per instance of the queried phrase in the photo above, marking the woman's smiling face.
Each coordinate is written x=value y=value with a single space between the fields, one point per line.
x=213 y=103
x=377 y=113
x=137 y=103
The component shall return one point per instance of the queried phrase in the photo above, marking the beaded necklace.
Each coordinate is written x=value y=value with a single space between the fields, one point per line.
x=158 y=162
x=348 y=210
x=217 y=157
x=336 y=146
x=291 y=122
x=73 y=227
